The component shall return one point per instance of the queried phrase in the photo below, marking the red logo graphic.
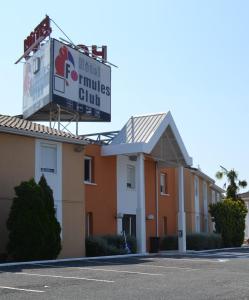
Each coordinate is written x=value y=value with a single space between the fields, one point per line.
x=63 y=64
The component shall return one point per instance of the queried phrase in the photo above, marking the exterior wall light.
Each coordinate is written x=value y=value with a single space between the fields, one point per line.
x=150 y=217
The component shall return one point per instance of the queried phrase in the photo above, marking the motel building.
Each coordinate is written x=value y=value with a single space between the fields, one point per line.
x=138 y=180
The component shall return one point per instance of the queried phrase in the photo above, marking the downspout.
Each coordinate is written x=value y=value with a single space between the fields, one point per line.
x=156 y=179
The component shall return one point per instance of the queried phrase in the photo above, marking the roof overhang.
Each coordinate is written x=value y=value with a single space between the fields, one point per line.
x=165 y=145
x=41 y=136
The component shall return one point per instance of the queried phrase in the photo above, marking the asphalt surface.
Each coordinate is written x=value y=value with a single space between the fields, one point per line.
x=211 y=275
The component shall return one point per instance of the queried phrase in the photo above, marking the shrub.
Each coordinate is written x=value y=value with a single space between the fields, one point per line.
x=194 y=241
x=169 y=242
x=34 y=232
x=229 y=217
x=203 y=241
x=118 y=241
x=108 y=245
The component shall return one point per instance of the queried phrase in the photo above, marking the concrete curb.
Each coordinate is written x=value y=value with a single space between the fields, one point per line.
x=70 y=259
x=200 y=251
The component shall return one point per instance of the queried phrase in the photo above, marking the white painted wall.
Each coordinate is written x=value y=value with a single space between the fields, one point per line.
x=126 y=197
x=54 y=180
x=197 y=204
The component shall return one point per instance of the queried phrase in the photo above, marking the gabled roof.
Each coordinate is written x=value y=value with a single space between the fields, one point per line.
x=244 y=195
x=19 y=126
x=143 y=134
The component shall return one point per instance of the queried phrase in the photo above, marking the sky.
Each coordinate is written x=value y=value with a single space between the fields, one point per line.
x=187 y=56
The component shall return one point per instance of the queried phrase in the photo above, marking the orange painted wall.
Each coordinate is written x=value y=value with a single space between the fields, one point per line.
x=150 y=198
x=168 y=204
x=101 y=197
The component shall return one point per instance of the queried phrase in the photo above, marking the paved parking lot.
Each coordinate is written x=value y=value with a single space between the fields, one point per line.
x=194 y=276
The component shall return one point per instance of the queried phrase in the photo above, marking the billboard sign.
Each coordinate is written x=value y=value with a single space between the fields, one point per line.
x=58 y=74
x=36 y=81
x=81 y=83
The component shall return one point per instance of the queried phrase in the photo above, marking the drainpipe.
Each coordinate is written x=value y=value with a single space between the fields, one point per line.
x=181 y=212
x=157 y=234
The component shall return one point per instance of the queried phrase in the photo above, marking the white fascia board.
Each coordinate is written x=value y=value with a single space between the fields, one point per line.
x=122 y=149
x=168 y=121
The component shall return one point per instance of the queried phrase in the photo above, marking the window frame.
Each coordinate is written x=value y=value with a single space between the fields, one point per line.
x=164 y=192
x=44 y=169
x=90 y=160
x=131 y=182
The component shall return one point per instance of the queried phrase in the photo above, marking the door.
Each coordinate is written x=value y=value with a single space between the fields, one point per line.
x=129 y=224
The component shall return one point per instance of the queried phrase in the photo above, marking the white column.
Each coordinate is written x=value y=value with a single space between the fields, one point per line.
x=140 y=222
x=181 y=212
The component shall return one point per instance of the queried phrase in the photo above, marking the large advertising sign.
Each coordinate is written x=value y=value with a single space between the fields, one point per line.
x=60 y=75
x=80 y=82
x=36 y=81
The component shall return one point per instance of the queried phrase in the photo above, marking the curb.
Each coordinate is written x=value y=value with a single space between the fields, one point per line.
x=189 y=252
x=70 y=259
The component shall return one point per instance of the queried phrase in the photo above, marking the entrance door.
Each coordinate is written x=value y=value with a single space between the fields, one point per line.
x=129 y=224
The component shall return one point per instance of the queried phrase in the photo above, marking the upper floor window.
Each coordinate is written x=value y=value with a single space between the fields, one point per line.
x=163 y=183
x=131 y=181
x=88 y=169
x=48 y=158
x=196 y=186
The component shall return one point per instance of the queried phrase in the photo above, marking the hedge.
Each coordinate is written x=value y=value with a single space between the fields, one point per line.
x=109 y=245
x=194 y=241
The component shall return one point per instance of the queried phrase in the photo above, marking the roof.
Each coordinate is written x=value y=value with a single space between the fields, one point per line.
x=145 y=134
x=244 y=195
x=19 y=126
x=139 y=129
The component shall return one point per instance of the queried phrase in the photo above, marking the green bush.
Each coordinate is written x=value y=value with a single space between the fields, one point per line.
x=118 y=241
x=169 y=242
x=108 y=245
x=229 y=217
x=203 y=241
x=34 y=232
x=194 y=241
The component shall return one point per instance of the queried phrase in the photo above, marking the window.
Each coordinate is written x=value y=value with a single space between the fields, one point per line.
x=197 y=223
x=165 y=226
x=163 y=183
x=217 y=197
x=213 y=196
x=88 y=169
x=89 y=224
x=48 y=158
x=131 y=177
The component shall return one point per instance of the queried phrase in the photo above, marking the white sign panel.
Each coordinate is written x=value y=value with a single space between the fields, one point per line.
x=36 y=83
x=81 y=83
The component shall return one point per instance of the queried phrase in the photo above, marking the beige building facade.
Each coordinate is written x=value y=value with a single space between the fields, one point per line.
x=28 y=150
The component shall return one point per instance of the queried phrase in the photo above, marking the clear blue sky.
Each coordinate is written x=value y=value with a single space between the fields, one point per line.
x=189 y=57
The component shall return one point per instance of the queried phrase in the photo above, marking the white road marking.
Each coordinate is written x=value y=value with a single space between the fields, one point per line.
x=104 y=270
x=118 y=271
x=169 y=267
x=19 y=289
x=64 y=277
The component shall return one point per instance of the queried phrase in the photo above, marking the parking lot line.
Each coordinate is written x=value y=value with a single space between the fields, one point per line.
x=103 y=270
x=119 y=271
x=169 y=267
x=19 y=289
x=64 y=277
x=189 y=259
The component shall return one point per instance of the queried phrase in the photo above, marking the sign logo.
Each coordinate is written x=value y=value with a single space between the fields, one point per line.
x=65 y=66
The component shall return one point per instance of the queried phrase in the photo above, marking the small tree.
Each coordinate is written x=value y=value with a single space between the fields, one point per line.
x=52 y=245
x=233 y=182
x=229 y=217
x=33 y=233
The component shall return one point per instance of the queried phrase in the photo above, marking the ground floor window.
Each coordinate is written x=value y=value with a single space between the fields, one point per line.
x=89 y=224
x=165 y=226
x=129 y=224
